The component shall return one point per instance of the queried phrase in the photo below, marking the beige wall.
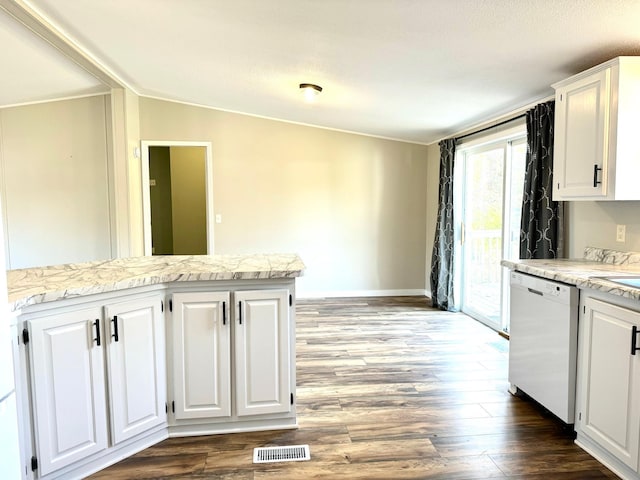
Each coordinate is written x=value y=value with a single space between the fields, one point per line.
x=353 y=207
x=188 y=200
x=160 y=201
x=594 y=224
x=53 y=159
x=360 y=211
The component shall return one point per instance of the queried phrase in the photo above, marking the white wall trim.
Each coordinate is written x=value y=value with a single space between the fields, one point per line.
x=112 y=185
x=118 y=172
x=515 y=132
x=146 y=200
x=4 y=233
x=362 y=293
x=57 y=99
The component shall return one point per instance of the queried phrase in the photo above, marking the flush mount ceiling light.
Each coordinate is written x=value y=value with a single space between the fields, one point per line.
x=310 y=91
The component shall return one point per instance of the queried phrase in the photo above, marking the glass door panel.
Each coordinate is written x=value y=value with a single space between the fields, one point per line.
x=514 y=189
x=491 y=189
x=482 y=234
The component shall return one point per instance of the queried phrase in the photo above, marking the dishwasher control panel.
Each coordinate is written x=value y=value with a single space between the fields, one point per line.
x=552 y=289
x=540 y=286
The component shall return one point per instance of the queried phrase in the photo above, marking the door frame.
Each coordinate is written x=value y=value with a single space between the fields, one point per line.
x=146 y=197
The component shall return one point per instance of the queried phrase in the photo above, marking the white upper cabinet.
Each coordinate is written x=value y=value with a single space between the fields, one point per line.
x=596 y=149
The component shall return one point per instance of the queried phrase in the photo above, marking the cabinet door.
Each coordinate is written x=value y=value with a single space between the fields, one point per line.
x=609 y=403
x=201 y=343
x=262 y=352
x=67 y=364
x=580 y=140
x=136 y=361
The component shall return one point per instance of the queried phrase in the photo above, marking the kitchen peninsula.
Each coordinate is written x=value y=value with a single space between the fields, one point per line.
x=117 y=355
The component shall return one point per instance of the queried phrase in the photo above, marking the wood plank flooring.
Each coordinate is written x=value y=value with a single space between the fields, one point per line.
x=389 y=388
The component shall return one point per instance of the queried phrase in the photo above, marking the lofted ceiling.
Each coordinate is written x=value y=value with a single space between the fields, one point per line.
x=414 y=70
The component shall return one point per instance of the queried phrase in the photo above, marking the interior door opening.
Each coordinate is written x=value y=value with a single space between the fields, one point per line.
x=177 y=198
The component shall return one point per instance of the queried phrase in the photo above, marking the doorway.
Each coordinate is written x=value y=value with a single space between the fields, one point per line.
x=177 y=198
x=492 y=175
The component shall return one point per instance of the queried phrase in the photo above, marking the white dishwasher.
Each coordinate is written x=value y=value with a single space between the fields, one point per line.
x=543 y=340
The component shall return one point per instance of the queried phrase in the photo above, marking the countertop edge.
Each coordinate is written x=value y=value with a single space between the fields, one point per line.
x=49 y=284
x=581 y=273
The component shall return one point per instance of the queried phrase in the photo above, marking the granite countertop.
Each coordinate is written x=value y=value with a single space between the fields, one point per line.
x=47 y=284
x=585 y=272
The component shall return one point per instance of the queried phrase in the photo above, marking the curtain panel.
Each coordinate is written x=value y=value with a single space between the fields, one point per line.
x=441 y=278
x=541 y=227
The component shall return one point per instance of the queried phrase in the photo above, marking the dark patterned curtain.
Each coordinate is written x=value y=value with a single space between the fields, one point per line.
x=541 y=227
x=442 y=257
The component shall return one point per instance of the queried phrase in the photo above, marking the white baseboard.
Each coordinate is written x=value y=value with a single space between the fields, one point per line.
x=362 y=293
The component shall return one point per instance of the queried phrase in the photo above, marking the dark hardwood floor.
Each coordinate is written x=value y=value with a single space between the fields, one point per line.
x=389 y=388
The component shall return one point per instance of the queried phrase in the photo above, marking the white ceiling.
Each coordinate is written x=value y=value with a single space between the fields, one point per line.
x=32 y=70
x=416 y=70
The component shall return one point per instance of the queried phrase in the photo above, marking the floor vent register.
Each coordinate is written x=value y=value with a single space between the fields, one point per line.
x=291 y=453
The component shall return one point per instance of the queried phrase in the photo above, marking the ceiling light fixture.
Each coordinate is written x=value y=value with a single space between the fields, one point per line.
x=310 y=91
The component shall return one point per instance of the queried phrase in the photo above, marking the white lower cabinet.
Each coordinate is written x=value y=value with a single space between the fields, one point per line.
x=68 y=382
x=201 y=339
x=262 y=352
x=94 y=370
x=93 y=376
x=608 y=396
x=233 y=360
x=136 y=367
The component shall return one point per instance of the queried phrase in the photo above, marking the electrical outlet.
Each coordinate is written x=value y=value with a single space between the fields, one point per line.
x=621 y=231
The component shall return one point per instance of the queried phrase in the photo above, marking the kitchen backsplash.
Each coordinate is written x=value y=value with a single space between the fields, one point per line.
x=595 y=223
x=613 y=257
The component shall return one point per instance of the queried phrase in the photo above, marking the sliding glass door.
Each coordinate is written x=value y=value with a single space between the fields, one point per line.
x=491 y=198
